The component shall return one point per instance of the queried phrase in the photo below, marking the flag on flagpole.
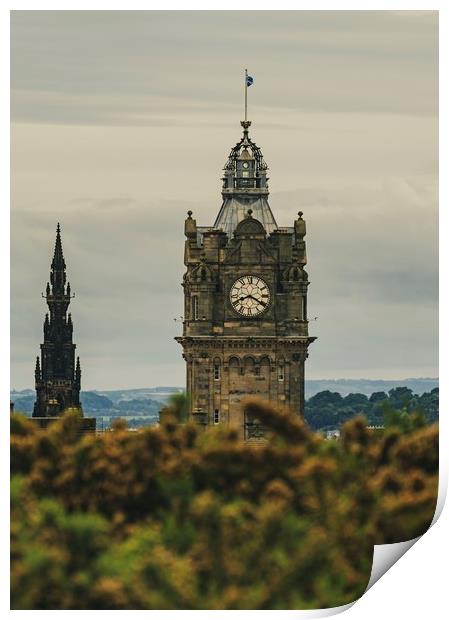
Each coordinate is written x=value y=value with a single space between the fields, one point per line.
x=249 y=80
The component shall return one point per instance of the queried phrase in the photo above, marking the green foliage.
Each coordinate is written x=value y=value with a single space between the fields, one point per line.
x=377 y=397
x=173 y=518
x=329 y=410
x=428 y=403
x=178 y=407
x=404 y=420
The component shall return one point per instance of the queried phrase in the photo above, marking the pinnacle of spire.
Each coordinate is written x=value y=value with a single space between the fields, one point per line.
x=37 y=370
x=78 y=370
x=57 y=275
x=58 y=262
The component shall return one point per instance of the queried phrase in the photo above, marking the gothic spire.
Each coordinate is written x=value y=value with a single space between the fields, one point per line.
x=78 y=371
x=57 y=373
x=37 y=370
x=57 y=275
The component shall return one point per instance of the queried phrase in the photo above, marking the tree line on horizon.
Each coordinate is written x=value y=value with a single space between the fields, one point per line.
x=329 y=410
x=326 y=410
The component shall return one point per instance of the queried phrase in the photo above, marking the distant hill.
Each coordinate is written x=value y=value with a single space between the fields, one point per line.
x=92 y=401
x=97 y=405
x=23 y=403
x=101 y=401
x=161 y=393
x=313 y=386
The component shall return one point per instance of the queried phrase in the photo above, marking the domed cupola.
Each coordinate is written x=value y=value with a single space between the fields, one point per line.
x=245 y=171
x=245 y=186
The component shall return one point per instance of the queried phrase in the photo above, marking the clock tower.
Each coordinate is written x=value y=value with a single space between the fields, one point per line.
x=245 y=329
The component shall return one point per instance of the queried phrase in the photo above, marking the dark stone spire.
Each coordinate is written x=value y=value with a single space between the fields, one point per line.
x=57 y=275
x=78 y=373
x=58 y=381
x=37 y=370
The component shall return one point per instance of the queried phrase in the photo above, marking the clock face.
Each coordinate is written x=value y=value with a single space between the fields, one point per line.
x=245 y=164
x=250 y=295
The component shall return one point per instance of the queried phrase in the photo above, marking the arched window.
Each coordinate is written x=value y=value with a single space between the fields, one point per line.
x=249 y=365
x=217 y=370
x=216 y=416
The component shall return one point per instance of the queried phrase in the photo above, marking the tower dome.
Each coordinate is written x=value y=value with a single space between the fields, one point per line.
x=245 y=186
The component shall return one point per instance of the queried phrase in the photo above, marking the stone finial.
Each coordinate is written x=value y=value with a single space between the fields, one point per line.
x=190 y=226
x=300 y=226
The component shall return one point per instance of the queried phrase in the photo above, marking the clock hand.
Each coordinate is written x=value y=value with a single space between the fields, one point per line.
x=255 y=299
x=259 y=301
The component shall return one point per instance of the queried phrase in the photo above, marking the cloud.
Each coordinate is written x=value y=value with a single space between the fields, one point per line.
x=119 y=129
x=137 y=68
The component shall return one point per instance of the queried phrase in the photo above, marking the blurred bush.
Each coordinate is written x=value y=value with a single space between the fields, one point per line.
x=173 y=518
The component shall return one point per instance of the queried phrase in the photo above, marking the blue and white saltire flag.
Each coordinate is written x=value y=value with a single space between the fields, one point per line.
x=249 y=80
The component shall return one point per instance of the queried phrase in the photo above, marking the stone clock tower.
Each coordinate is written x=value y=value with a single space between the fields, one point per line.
x=245 y=300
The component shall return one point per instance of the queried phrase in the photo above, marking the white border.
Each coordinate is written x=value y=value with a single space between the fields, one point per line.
x=425 y=565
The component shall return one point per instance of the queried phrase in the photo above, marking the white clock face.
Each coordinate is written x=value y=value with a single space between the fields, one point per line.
x=250 y=295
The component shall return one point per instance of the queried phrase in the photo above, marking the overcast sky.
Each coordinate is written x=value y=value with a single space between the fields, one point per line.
x=122 y=121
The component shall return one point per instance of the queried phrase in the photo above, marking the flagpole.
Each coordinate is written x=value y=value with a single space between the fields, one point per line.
x=246 y=92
